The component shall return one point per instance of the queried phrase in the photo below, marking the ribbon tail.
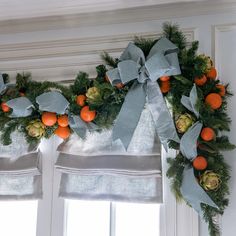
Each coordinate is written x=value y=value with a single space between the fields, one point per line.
x=193 y=193
x=191 y=101
x=77 y=125
x=80 y=127
x=188 y=143
x=162 y=118
x=129 y=115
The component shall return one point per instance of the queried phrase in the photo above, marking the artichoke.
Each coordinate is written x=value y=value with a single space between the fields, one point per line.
x=210 y=180
x=93 y=95
x=36 y=129
x=208 y=62
x=184 y=122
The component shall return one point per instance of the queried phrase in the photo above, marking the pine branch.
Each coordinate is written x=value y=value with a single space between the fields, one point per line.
x=9 y=128
x=175 y=35
x=109 y=60
x=144 y=44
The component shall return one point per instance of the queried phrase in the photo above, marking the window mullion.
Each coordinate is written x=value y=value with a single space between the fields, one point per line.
x=112 y=219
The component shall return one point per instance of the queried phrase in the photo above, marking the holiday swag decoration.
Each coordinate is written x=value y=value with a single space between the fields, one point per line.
x=148 y=73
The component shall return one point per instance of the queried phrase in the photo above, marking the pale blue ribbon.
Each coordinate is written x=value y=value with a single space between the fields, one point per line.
x=21 y=107
x=3 y=86
x=192 y=192
x=191 y=101
x=162 y=60
x=52 y=102
x=79 y=126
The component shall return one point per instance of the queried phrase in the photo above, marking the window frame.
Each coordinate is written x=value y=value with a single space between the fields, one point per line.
x=52 y=211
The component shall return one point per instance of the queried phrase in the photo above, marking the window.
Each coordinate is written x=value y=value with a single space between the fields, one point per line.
x=18 y=218
x=89 y=218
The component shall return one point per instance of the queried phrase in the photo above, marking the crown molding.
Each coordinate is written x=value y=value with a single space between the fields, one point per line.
x=139 y=14
x=61 y=60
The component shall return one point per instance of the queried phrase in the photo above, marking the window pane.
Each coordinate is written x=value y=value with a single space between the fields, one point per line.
x=18 y=218
x=87 y=218
x=137 y=219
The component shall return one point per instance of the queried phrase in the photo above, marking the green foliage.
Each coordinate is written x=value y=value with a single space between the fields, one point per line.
x=81 y=84
x=192 y=66
x=8 y=130
x=144 y=44
x=107 y=100
x=175 y=173
x=110 y=61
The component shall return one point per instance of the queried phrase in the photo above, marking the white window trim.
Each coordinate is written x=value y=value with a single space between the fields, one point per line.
x=52 y=210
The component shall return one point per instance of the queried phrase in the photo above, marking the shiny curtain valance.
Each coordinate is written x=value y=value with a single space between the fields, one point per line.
x=21 y=179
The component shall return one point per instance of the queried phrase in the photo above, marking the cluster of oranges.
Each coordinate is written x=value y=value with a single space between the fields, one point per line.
x=200 y=162
x=86 y=114
x=50 y=119
x=214 y=100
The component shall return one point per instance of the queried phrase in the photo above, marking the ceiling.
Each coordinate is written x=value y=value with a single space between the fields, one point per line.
x=23 y=9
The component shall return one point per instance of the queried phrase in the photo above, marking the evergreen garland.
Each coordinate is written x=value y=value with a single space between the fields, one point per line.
x=107 y=101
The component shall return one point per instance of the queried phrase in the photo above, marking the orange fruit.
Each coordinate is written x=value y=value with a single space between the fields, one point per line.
x=80 y=100
x=212 y=74
x=22 y=94
x=200 y=163
x=221 y=87
x=5 y=107
x=49 y=118
x=63 y=121
x=87 y=115
x=207 y=134
x=62 y=132
x=165 y=86
x=200 y=81
x=120 y=85
x=214 y=100
x=164 y=78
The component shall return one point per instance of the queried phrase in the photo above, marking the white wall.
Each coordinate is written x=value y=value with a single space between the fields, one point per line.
x=59 y=53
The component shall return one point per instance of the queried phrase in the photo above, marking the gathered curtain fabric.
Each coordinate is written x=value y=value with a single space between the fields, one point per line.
x=97 y=168
x=111 y=177
x=21 y=179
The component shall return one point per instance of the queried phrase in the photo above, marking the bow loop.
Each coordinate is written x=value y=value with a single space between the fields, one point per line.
x=163 y=46
x=134 y=53
x=157 y=66
x=128 y=71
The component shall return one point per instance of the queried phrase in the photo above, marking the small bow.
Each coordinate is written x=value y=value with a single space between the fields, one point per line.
x=52 y=102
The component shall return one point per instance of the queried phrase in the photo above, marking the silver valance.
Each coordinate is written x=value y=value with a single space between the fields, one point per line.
x=21 y=179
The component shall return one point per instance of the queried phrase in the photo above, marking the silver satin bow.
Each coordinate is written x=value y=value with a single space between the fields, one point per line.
x=162 y=60
x=192 y=192
x=52 y=102
x=21 y=107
